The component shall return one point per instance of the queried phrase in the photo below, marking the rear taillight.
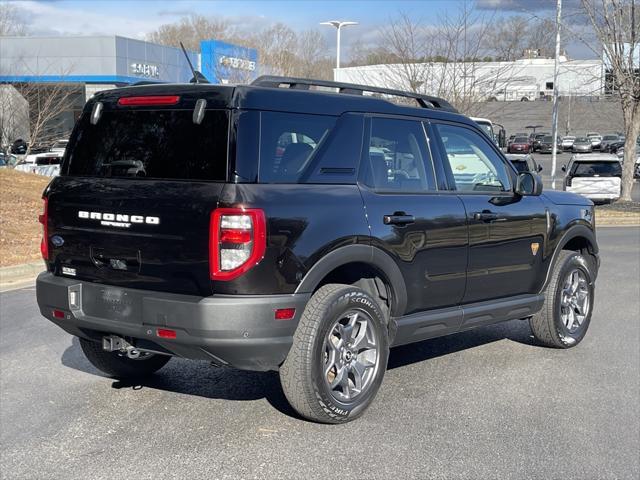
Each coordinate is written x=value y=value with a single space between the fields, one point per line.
x=237 y=241
x=44 y=220
x=567 y=181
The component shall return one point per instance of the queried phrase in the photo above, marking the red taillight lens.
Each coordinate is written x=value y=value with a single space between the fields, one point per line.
x=58 y=314
x=148 y=101
x=237 y=241
x=44 y=220
x=285 y=313
x=166 y=333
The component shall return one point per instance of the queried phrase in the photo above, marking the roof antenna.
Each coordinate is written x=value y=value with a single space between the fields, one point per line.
x=197 y=76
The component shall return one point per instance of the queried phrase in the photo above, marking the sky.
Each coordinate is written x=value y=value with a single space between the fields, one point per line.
x=136 y=18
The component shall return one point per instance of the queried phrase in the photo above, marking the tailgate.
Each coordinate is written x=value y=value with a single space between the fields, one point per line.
x=146 y=234
x=596 y=185
x=133 y=202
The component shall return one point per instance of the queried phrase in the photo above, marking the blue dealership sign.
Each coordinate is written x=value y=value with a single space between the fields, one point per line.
x=223 y=62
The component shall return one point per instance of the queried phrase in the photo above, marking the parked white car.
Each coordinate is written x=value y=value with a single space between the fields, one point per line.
x=597 y=176
x=567 y=142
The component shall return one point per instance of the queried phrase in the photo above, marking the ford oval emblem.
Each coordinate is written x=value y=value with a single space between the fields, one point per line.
x=57 y=241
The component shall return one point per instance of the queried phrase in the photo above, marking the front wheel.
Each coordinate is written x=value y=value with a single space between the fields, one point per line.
x=566 y=314
x=338 y=357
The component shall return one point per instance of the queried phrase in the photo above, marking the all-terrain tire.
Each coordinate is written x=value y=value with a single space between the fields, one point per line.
x=303 y=375
x=120 y=366
x=547 y=325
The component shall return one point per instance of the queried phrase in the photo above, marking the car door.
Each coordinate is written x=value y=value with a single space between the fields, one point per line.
x=425 y=232
x=506 y=231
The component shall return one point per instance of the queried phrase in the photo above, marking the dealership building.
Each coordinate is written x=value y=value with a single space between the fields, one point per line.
x=88 y=64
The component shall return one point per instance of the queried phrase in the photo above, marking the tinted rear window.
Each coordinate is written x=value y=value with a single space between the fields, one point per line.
x=521 y=165
x=602 y=169
x=158 y=144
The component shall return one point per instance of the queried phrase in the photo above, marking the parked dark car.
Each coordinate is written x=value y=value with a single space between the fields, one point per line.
x=537 y=140
x=376 y=225
x=547 y=145
x=607 y=140
x=582 y=145
x=519 y=145
x=19 y=147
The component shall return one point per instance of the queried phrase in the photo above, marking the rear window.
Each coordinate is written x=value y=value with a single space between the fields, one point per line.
x=600 y=169
x=155 y=144
x=520 y=165
x=521 y=140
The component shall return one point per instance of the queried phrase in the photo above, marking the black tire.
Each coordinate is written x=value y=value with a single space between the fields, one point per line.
x=303 y=376
x=120 y=366
x=547 y=325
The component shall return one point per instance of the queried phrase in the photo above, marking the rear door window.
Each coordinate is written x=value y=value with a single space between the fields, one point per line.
x=398 y=157
x=155 y=144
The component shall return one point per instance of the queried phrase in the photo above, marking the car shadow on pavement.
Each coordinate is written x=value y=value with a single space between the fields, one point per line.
x=196 y=378
x=204 y=380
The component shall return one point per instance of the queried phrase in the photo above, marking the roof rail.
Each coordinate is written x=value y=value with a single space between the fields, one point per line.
x=425 y=101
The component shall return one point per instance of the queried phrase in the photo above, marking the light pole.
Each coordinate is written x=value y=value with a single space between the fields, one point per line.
x=338 y=25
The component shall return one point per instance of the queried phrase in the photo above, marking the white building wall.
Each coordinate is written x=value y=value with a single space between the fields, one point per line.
x=577 y=77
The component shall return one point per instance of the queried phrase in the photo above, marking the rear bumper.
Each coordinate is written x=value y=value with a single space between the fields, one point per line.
x=235 y=330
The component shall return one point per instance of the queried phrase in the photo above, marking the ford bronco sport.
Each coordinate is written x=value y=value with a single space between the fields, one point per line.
x=300 y=226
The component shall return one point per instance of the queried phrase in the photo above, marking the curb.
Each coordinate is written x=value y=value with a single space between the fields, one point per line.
x=16 y=276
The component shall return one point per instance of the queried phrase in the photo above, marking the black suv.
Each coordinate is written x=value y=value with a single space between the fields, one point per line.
x=280 y=226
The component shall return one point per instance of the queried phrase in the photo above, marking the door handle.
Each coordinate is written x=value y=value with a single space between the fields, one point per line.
x=398 y=219
x=485 y=216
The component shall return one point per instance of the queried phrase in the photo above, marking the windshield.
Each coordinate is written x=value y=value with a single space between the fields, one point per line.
x=547 y=139
x=582 y=140
x=596 y=169
x=160 y=144
x=610 y=137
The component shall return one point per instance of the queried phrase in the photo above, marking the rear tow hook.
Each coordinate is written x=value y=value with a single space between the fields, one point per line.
x=113 y=343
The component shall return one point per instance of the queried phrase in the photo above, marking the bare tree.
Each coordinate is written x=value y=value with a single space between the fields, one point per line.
x=11 y=23
x=508 y=38
x=47 y=103
x=191 y=31
x=615 y=23
x=312 y=58
x=447 y=60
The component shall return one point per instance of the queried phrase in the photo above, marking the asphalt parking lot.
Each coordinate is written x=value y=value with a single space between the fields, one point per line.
x=483 y=404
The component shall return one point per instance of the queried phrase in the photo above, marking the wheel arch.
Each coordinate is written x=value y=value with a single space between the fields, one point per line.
x=578 y=238
x=348 y=261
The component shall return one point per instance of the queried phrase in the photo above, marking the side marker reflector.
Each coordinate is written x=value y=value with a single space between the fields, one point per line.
x=166 y=333
x=58 y=314
x=285 y=313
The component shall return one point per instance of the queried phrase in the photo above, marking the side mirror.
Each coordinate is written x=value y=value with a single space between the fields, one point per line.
x=564 y=168
x=539 y=169
x=529 y=184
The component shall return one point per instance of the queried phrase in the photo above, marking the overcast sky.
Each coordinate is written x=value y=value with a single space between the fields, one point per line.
x=136 y=18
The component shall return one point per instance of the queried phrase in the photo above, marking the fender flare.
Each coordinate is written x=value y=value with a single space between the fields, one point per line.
x=571 y=233
x=363 y=254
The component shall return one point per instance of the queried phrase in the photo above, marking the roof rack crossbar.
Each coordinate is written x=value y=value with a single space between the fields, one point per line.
x=425 y=101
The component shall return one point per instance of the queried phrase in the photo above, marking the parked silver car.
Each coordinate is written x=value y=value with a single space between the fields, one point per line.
x=582 y=145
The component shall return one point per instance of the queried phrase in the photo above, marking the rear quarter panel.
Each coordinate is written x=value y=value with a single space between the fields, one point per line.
x=304 y=223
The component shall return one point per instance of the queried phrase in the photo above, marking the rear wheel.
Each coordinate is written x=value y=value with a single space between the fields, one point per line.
x=338 y=357
x=118 y=365
x=566 y=314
